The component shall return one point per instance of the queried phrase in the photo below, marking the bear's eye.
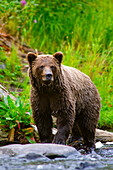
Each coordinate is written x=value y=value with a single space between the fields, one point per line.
x=53 y=68
x=41 y=67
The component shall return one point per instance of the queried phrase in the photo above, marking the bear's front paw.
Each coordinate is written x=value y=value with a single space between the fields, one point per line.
x=59 y=139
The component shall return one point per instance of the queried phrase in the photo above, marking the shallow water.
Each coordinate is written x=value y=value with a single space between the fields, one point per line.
x=100 y=159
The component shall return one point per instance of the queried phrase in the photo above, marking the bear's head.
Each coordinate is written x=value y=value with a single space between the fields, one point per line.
x=44 y=69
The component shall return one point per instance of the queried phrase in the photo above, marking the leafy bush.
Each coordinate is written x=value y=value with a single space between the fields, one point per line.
x=15 y=118
x=12 y=71
x=14 y=113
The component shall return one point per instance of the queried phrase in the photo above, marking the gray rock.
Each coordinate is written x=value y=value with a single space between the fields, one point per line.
x=103 y=136
x=33 y=155
x=2 y=65
x=37 y=150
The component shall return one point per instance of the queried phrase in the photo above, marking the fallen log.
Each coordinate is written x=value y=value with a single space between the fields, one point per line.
x=8 y=42
x=5 y=93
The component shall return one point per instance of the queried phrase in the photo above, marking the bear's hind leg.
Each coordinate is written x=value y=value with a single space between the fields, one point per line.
x=87 y=128
x=76 y=134
x=83 y=133
x=89 y=139
x=75 y=139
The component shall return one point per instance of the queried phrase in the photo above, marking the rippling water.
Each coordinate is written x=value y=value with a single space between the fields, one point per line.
x=100 y=159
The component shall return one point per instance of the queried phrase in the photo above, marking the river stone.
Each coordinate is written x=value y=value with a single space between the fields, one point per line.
x=104 y=136
x=49 y=150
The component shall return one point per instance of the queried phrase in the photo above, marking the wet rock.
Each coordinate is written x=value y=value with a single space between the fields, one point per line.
x=33 y=155
x=109 y=143
x=104 y=136
x=98 y=159
x=98 y=145
x=31 y=150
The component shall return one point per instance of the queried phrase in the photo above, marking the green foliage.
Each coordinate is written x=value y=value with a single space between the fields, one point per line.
x=83 y=30
x=12 y=71
x=14 y=113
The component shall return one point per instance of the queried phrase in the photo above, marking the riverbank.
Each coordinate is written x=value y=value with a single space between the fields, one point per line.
x=53 y=156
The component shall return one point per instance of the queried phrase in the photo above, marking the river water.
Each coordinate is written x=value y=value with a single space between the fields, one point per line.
x=100 y=159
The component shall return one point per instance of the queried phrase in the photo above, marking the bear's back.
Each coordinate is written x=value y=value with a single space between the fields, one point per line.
x=75 y=77
x=80 y=86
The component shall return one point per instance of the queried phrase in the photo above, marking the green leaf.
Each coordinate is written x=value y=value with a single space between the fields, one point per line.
x=30 y=141
x=9 y=118
x=5 y=100
x=12 y=125
x=2 y=6
x=17 y=102
x=3 y=106
x=11 y=103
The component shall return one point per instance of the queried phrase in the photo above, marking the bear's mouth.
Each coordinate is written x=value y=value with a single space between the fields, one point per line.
x=47 y=79
x=47 y=82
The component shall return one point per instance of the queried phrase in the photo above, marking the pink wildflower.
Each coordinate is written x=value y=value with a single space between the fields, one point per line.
x=35 y=21
x=27 y=113
x=23 y=2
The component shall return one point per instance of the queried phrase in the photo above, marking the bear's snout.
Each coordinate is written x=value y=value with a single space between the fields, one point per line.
x=47 y=75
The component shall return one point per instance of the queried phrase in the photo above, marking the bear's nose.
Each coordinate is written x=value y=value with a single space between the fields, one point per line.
x=49 y=76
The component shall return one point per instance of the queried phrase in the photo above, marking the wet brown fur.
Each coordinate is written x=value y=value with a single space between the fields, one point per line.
x=72 y=98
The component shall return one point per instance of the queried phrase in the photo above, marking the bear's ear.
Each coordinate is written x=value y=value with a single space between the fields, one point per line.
x=31 y=57
x=58 y=56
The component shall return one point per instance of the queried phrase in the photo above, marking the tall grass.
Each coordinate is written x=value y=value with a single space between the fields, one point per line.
x=82 y=29
x=86 y=22
x=99 y=67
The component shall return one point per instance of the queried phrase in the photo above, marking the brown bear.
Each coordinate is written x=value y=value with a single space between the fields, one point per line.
x=65 y=93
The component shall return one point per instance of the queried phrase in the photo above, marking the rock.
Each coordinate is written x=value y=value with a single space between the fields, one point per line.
x=2 y=65
x=3 y=137
x=32 y=155
x=104 y=136
x=98 y=145
x=109 y=143
x=31 y=150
